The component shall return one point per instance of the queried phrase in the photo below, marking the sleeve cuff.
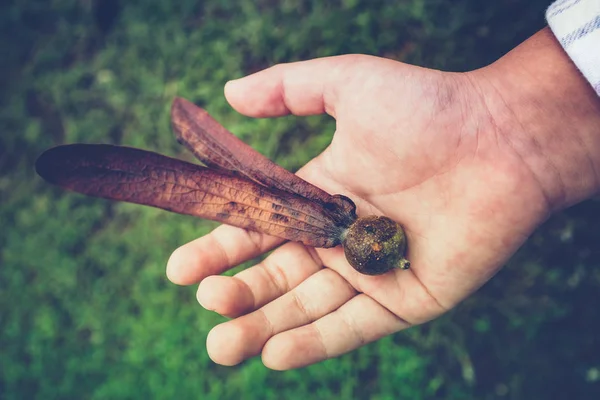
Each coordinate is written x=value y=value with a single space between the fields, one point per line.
x=576 y=25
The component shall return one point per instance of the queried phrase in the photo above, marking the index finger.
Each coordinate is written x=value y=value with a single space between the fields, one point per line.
x=212 y=254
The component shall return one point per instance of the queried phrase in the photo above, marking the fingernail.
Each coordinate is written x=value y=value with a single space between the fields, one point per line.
x=199 y=299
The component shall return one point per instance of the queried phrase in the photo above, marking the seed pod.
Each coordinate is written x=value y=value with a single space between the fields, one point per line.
x=375 y=245
x=237 y=186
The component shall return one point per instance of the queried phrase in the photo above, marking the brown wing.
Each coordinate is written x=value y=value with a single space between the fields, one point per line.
x=218 y=148
x=142 y=177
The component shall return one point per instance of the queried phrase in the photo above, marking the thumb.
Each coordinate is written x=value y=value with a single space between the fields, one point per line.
x=300 y=88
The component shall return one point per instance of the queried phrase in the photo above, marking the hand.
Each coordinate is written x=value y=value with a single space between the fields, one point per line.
x=448 y=155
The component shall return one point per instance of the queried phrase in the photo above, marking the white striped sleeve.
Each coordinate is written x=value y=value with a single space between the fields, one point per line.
x=576 y=25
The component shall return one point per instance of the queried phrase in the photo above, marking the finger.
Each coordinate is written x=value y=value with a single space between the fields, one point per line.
x=254 y=287
x=223 y=248
x=301 y=88
x=360 y=321
x=234 y=341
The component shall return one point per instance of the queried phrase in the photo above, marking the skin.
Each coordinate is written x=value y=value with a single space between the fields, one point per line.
x=469 y=163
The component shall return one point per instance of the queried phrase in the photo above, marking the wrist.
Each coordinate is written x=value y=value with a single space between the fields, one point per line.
x=550 y=116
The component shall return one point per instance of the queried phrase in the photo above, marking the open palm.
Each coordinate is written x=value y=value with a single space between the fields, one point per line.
x=419 y=146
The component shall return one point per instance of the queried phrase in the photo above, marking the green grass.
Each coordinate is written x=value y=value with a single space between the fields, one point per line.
x=85 y=308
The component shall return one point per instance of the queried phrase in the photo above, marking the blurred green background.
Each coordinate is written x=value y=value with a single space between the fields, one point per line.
x=86 y=311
